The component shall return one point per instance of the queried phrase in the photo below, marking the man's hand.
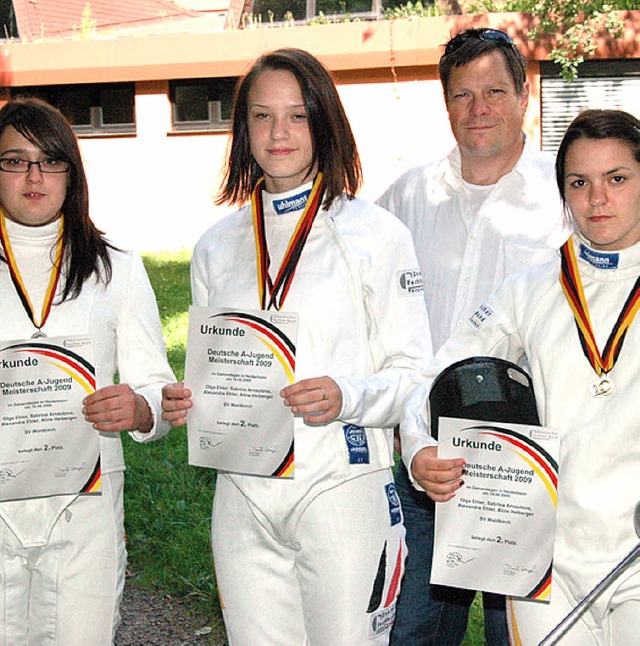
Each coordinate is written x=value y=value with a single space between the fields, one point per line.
x=439 y=478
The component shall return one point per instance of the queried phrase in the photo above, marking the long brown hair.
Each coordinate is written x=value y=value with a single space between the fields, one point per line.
x=334 y=147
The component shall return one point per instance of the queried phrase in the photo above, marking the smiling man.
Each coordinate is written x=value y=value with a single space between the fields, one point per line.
x=489 y=209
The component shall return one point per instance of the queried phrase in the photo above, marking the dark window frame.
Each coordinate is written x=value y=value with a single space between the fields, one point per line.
x=96 y=126
x=216 y=120
x=371 y=10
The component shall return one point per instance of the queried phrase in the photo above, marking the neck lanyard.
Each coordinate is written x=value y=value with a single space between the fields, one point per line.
x=573 y=290
x=278 y=289
x=18 y=283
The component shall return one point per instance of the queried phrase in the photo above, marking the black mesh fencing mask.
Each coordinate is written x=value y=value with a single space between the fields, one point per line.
x=485 y=389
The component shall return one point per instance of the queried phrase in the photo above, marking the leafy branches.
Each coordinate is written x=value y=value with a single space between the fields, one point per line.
x=576 y=23
x=410 y=9
x=573 y=24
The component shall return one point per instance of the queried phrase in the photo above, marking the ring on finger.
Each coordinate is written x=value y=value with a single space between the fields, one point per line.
x=323 y=393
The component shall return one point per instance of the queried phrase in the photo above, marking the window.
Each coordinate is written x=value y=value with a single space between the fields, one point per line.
x=202 y=104
x=610 y=84
x=96 y=109
x=9 y=25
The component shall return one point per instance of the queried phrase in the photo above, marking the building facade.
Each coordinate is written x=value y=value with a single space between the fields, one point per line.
x=152 y=109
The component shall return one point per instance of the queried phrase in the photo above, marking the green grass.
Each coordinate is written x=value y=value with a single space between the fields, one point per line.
x=168 y=502
x=475 y=628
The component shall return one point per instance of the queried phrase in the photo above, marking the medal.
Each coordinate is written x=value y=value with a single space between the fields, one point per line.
x=602 y=387
x=603 y=363
x=18 y=283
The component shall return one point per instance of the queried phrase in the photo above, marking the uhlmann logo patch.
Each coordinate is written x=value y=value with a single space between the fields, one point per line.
x=410 y=282
x=395 y=512
x=290 y=204
x=599 y=259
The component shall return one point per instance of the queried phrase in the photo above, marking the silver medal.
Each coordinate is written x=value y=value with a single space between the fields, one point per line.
x=603 y=387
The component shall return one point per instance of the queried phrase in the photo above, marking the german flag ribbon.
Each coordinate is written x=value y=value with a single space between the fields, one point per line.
x=573 y=290
x=16 y=277
x=276 y=291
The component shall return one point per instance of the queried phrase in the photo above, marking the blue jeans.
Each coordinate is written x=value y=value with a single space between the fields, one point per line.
x=434 y=615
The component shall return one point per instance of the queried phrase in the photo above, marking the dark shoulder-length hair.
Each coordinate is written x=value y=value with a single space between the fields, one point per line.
x=85 y=251
x=596 y=124
x=334 y=147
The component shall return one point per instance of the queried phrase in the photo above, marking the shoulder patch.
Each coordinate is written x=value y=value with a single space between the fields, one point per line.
x=409 y=282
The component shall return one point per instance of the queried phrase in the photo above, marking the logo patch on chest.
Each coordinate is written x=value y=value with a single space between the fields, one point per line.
x=480 y=316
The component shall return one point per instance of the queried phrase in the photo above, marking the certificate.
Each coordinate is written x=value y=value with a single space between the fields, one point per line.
x=497 y=534
x=47 y=447
x=237 y=363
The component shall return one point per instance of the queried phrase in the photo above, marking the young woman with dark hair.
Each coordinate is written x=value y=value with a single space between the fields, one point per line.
x=334 y=148
x=63 y=556
x=317 y=558
x=86 y=251
x=575 y=321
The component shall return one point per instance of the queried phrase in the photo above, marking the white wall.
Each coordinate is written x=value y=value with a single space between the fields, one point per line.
x=155 y=191
x=397 y=126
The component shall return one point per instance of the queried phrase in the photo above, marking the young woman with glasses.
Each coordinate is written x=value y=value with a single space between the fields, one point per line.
x=63 y=556
x=319 y=557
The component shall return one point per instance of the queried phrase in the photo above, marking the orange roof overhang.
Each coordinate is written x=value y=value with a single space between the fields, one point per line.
x=342 y=47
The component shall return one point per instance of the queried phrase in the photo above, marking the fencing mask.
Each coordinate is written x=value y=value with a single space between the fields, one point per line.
x=486 y=389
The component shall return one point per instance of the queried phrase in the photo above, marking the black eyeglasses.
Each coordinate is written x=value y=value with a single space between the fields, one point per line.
x=17 y=165
x=486 y=34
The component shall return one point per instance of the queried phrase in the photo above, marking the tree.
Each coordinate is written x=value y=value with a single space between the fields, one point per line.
x=574 y=25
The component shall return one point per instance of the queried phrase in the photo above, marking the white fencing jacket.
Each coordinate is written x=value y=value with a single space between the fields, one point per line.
x=599 y=437
x=359 y=323
x=124 y=325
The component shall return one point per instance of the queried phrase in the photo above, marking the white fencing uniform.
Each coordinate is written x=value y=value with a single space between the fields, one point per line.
x=600 y=450
x=362 y=321
x=63 y=557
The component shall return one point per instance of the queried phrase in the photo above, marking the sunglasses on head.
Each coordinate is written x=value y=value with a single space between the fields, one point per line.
x=486 y=34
